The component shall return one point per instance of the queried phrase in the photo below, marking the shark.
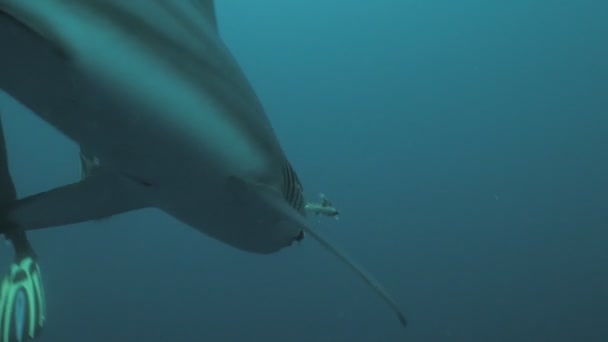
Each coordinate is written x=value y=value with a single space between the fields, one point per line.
x=164 y=114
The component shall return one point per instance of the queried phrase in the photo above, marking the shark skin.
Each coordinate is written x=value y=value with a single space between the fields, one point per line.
x=99 y=82
x=149 y=88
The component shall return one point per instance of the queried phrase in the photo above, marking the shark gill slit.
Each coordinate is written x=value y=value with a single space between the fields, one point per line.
x=292 y=188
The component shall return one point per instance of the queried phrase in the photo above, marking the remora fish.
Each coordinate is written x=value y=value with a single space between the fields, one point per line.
x=150 y=90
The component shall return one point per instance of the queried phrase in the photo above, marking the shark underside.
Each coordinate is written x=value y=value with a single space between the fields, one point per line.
x=149 y=90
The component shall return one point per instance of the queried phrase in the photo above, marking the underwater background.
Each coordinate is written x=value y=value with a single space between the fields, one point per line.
x=465 y=143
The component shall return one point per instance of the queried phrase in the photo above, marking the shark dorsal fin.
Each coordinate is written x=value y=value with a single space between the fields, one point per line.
x=207 y=8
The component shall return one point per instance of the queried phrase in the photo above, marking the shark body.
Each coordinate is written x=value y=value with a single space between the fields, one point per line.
x=150 y=89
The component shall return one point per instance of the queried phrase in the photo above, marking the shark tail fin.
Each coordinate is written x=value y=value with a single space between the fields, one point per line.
x=368 y=278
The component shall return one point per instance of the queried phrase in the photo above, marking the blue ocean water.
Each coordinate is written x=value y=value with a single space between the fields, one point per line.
x=464 y=142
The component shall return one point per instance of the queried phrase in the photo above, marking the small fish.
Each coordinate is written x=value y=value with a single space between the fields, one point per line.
x=324 y=207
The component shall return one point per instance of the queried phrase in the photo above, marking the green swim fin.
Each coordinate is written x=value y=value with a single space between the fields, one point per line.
x=22 y=302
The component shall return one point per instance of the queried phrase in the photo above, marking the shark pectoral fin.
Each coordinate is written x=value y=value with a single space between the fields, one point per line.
x=100 y=195
x=300 y=220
